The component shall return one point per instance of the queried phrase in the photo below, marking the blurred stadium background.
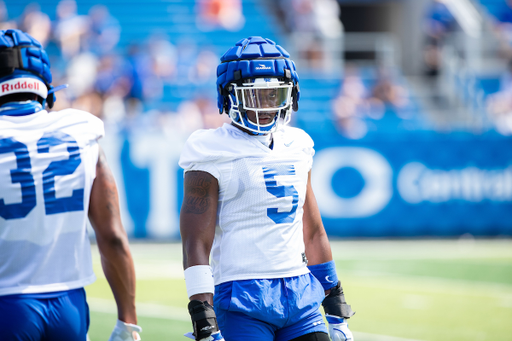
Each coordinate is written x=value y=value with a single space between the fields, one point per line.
x=410 y=106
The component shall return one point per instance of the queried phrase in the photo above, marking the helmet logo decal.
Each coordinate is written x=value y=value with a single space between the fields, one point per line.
x=22 y=84
x=263 y=67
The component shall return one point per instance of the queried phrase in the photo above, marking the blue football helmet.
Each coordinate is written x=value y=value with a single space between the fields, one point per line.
x=25 y=67
x=256 y=77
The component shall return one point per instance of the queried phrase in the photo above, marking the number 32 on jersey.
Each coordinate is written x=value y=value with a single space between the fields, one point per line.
x=23 y=175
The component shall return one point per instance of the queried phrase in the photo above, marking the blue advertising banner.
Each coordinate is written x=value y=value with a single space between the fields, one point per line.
x=419 y=184
x=404 y=185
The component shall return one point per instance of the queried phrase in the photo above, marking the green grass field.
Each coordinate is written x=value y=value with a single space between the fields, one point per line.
x=444 y=290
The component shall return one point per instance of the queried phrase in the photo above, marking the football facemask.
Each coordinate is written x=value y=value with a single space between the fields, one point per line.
x=263 y=97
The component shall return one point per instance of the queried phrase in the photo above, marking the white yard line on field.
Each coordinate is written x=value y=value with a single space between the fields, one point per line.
x=359 y=250
x=431 y=284
x=102 y=305
x=376 y=337
x=421 y=249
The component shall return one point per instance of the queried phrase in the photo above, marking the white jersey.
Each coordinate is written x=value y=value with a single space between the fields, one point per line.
x=47 y=167
x=261 y=196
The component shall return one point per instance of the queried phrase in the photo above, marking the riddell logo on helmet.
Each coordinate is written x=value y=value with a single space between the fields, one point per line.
x=263 y=67
x=21 y=85
x=18 y=85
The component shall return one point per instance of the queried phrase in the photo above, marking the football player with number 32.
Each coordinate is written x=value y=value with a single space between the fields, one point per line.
x=53 y=176
x=257 y=260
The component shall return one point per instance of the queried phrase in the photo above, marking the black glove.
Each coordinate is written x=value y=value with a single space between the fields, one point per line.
x=203 y=317
x=334 y=304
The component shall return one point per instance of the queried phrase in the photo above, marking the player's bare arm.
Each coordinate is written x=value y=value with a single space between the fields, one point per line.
x=116 y=258
x=318 y=249
x=198 y=219
x=318 y=252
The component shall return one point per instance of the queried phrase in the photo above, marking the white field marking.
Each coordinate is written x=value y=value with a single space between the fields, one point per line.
x=164 y=312
x=415 y=302
x=152 y=261
x=506 y=302
x=155 y=270
x=150 y=269
x=102 y=305
x=359 y=336
x=463 y=248
x=422 y=249
x=163 y=260
x=426 y=284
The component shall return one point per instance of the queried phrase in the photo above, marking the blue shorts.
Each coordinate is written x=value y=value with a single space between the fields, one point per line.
x=54 y=316
x=280 y=309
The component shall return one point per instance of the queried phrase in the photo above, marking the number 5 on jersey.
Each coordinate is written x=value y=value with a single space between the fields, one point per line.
x=280 y=191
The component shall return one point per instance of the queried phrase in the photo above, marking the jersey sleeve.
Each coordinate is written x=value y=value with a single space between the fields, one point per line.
x=97 y=127
x=202 y=152
x=305 y=142
x=91 y=128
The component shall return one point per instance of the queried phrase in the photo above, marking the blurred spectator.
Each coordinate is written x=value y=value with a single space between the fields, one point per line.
x=219 y=14
x=439 y=21
x=506 y=78
x=327 y=18
x=382 y=105
x=91 y=102
x=388 y=98
x=299 y=15
x=503 y=27
x=104 y=30
x=5 y=22
x=112 y=78
x=114 y=108
x=140 y=69
x=163 y=56
x=187 y=51
x=36 y=23
x=210 y=113
x=313 y=25
x=499 y=108
x=81 y=74
x=499 y=104
x=313 y=52
x=204 y=70
x=127 y=89
x=349 y=106
x=70 y=28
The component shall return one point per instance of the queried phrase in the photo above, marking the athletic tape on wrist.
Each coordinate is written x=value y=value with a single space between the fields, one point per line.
x=325 y=273
x=199 y=280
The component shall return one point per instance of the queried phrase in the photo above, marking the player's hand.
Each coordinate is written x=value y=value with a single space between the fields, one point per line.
x=125 y=332
x=204 y=322
x=338 y=329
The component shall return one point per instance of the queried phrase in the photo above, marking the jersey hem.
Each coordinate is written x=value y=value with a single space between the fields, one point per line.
x=262 y=276
x=37 y=289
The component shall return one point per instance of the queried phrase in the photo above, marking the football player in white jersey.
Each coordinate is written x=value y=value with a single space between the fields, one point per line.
x=53 y=177
x=257 y=260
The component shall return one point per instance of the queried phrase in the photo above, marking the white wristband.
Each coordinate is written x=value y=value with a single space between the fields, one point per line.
x=199 y=280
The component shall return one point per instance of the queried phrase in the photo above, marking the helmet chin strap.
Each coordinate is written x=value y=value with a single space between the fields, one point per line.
x=20 y=108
